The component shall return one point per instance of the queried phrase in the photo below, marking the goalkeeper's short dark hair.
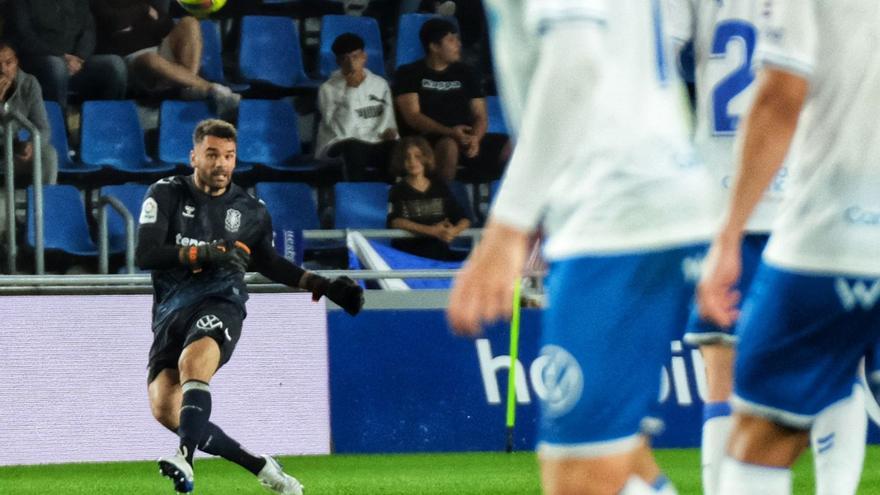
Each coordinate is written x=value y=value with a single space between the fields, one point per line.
x=214 y=127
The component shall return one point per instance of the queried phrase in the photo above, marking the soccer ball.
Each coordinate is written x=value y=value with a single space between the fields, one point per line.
x=201 y=8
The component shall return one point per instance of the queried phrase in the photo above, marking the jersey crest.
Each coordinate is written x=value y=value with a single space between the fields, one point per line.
x=233 y=220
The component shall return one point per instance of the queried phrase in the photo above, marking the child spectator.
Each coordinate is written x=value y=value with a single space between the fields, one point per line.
x=421 y=205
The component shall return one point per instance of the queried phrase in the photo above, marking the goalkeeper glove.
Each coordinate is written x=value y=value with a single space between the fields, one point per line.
x=216 y=255
x=342 y=290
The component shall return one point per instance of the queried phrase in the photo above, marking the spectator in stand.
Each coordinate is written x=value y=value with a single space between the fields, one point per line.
x=357 y=115
x=471 y=20
x=441 y=98
x=421 y=205
x=160 y=54
x=20 y=93
x=56 y=42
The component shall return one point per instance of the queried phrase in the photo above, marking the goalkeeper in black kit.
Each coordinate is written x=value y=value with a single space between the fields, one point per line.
x=199 y=234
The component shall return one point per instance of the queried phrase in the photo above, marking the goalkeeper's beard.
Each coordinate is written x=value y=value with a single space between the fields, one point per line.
x=214 y=182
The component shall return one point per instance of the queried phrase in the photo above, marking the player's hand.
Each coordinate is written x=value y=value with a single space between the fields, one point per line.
x=342 y=290
x=717 y=297
x=483 y=290
x=238 y=258
x=347 y=294
x=217 y=255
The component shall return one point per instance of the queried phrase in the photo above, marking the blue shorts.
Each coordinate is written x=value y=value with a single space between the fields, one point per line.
x=605 y=338
x=801 y=339
x=701 y=332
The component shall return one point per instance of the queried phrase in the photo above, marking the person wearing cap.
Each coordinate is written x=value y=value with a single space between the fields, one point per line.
x=357 y=116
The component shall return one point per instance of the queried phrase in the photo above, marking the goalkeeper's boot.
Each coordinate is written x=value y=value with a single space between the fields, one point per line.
x=178 y=471
x=273 y=478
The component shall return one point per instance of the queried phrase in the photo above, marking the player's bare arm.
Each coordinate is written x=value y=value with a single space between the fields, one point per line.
x=483 y=290
x=411 y=112
x=767 y=136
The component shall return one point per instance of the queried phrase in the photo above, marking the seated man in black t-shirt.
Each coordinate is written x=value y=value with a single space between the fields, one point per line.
x=441 y=99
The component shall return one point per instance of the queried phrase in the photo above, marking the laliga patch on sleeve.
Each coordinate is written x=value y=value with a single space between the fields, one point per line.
x=149 y=211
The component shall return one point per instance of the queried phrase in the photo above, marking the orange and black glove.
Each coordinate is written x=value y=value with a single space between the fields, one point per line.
x=216 y=255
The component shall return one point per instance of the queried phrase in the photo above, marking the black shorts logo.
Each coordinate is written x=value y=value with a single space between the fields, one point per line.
x=209 y=322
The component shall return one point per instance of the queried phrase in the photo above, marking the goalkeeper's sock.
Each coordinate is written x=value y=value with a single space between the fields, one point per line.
x=216 y=442
x=717 y=424
x=194 y=413
x=838 y=441
x=739 y=478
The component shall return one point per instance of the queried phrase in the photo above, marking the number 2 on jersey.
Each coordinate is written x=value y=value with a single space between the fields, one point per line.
x=738 y=80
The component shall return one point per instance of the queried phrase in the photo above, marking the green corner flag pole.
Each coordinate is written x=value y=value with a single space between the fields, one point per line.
x=511 y=375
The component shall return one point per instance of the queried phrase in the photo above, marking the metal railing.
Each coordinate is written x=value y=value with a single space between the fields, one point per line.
x=141 y=283
x=10 y=119
x=104 y=236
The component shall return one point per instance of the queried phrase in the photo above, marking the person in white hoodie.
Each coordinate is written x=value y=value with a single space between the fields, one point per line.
x=357 y=116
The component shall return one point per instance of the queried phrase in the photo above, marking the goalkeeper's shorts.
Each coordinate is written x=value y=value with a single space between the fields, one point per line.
x=216 y=318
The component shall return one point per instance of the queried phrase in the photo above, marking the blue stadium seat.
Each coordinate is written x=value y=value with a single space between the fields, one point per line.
x=497 y=121
x=112 y=136
x=67 y=168
x=212 y=56
x=360 y=205
x=268 y=135
x=132 y=197
x=409 y=47
x=365 y=27
x=269 y=53
x=177 y=120
x=291 y=204
x=463 y=197
x=293 y=209
x=65 y=227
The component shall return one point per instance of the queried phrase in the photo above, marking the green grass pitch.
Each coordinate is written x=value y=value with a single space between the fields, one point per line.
x=472 y=473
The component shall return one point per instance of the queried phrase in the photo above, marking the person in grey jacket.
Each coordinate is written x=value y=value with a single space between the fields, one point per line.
x=56 y=42
x=20 y=92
